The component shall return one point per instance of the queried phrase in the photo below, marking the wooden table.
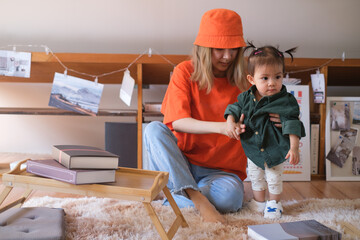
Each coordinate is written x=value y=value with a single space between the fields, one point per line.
x=131 y=184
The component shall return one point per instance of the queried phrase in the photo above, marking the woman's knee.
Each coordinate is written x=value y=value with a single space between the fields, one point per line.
x=153 y=129
x=231 y=201
x=157 y=130
x=229 y=195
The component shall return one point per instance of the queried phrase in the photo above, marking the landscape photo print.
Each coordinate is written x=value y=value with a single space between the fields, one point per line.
x=75 y=94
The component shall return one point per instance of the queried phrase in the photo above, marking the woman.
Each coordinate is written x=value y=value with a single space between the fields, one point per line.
x=206 y=167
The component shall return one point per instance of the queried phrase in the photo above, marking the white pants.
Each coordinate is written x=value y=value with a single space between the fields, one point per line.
x=259 y=177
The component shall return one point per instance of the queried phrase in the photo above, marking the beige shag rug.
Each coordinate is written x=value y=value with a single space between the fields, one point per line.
x=103 y=218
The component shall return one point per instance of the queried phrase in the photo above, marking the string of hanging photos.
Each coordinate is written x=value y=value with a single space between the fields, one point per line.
x=47 y=50
x=149 y=52
x=13 y=63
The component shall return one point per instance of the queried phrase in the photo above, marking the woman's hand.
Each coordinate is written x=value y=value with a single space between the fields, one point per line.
x=275 y=118
x=191 y=125
x=232 y=128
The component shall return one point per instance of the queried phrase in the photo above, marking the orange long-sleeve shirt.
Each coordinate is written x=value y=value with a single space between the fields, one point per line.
x=183 y=99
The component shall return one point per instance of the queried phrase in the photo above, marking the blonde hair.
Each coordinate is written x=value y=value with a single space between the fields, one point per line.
x=203 y=73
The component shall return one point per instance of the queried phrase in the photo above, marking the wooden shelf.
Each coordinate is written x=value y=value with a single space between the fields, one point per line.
x=156 y=70
x=57 y=111
x=152 y=114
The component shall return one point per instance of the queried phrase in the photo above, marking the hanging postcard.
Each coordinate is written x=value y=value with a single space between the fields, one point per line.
x=318 y=86
x=15 y=64
x=127 y=87
x=75 y=94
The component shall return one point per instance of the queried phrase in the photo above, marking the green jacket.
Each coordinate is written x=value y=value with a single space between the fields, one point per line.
x=262 y=141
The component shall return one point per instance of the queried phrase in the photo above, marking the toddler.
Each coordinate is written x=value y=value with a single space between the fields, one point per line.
x=266 y=145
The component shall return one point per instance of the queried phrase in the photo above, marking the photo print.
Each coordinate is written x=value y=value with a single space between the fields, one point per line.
x=75 y=94
x=340 y=115
x=356 y=161
x=356 y=113
x=342 y=148
x=15 y=64
x=318 y=86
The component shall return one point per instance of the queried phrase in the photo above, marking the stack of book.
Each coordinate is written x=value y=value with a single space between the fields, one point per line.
x=76 y=164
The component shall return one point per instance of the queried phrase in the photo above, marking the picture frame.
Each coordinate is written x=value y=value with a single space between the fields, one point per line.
x=342 y=148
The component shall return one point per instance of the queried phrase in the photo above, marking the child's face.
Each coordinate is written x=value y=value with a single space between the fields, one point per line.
x=268 y=80
x=221 y=59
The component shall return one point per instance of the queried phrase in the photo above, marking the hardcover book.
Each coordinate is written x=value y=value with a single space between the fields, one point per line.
x=84 y=157
x=50 y=168
x=314 y=147
x=308 y=229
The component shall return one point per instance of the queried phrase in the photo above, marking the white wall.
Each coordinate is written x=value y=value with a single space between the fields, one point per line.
x=321 y=29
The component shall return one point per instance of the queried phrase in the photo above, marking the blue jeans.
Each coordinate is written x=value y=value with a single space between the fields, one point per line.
x=224 y=190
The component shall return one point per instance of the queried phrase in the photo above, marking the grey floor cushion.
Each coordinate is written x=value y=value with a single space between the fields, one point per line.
x=32 y=223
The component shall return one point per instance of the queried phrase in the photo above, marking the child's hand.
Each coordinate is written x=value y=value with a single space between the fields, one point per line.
x=233 y=130
x=241 y=124
x=294 y=156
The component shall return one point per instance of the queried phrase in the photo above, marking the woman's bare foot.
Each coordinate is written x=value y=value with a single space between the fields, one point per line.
x=207 y=211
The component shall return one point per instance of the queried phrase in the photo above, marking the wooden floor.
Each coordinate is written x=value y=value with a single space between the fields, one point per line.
x=292 y=191
x=315 y=189
x=318 y=188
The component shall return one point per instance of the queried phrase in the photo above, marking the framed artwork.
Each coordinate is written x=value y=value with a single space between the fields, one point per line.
x=342 y=141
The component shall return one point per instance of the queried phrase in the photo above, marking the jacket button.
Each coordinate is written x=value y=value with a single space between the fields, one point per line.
x=256 y=132
x=262 y=149
x=254 y=100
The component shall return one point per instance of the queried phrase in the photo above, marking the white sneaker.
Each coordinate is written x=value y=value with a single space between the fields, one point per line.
x=256 y=206
x=273 y=209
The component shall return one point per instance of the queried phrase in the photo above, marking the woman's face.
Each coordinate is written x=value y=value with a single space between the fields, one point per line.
x=221 y=59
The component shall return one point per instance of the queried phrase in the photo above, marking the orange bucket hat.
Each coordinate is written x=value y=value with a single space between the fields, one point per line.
x=220 y=28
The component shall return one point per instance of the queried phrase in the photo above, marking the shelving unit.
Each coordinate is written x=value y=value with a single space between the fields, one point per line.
x=147 y=70
x=156 y=70
x=337 y=73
